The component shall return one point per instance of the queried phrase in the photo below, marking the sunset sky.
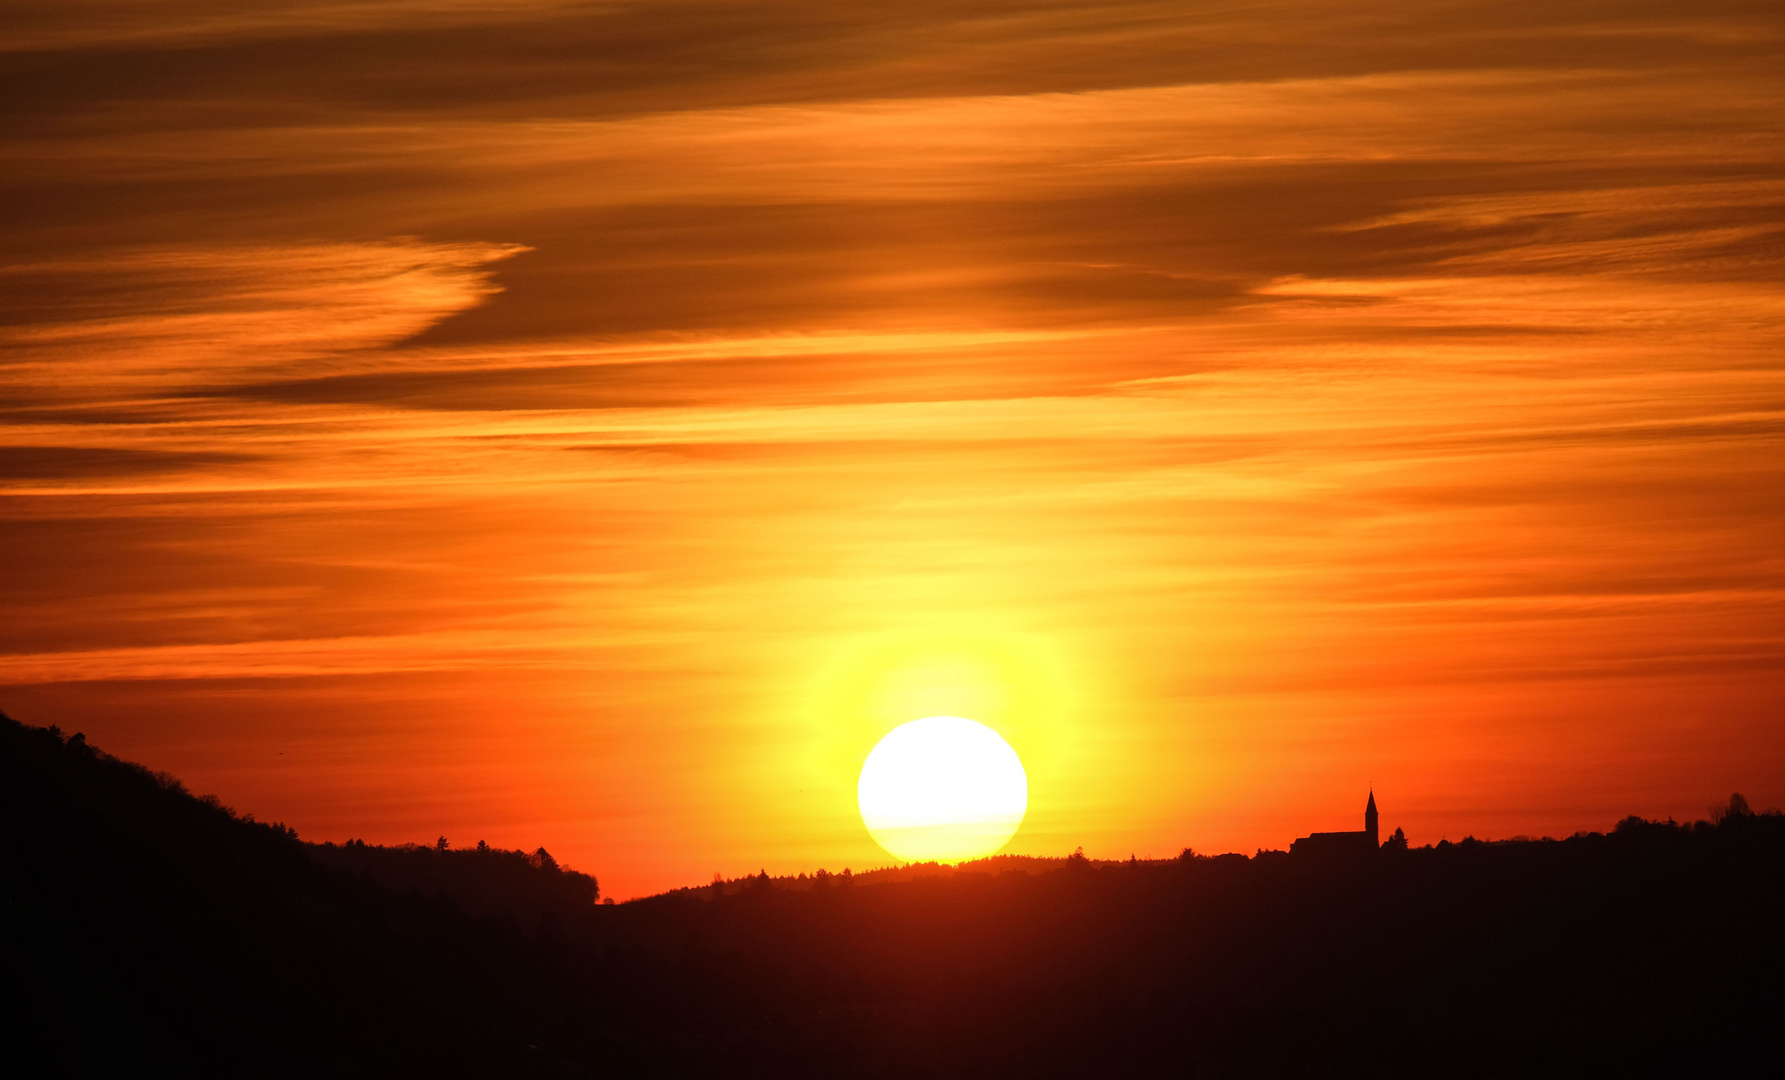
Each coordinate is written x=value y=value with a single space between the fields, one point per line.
x=595 y=425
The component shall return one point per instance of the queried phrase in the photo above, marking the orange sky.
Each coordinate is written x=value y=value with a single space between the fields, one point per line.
x=594 y=425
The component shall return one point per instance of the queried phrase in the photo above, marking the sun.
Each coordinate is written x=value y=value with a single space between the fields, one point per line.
x=943 y=788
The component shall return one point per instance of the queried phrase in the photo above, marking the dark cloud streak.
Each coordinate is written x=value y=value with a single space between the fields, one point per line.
x=91 y=463
x=617 y=60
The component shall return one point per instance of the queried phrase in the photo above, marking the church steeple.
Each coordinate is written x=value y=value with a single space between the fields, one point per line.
x=1370 y=820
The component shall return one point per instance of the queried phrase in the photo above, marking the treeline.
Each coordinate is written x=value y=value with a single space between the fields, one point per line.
x=147 y=931
x=886 y=875
x=482 y=881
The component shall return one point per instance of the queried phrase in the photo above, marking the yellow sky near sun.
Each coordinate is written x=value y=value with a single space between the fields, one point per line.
x=608 y=464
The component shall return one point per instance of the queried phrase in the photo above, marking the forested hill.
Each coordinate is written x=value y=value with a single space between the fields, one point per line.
x=150 y=932
x=528 y=887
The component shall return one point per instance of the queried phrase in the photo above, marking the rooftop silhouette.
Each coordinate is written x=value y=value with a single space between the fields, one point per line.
x=1342 y=843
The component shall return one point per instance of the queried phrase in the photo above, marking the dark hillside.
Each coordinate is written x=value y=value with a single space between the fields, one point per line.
x=530 y=888
x=1652 y=951
x=147 y=931
x=150 y=932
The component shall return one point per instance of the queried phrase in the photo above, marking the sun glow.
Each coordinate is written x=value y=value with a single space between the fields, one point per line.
x=942 y=788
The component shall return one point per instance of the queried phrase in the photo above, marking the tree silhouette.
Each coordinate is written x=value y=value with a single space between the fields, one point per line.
x=1737 y=808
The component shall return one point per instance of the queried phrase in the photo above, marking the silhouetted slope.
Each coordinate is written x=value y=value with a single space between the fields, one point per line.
x=484 y=881
x=151 y=931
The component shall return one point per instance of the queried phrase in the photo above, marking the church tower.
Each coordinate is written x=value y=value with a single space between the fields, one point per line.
x=1370 y=821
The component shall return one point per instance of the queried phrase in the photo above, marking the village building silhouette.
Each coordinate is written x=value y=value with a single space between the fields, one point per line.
x=1335 y=843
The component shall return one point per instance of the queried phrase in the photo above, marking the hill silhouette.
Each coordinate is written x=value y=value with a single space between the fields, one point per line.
x=148 y=930
x=151 y=932
x=527 y=887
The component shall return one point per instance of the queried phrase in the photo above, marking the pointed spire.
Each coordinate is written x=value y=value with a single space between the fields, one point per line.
x=1371 y=809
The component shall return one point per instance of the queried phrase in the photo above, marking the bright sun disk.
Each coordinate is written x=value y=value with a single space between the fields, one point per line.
x=942 y=788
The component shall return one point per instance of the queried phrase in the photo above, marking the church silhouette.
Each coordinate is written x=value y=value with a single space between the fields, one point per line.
x=1335 y=843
